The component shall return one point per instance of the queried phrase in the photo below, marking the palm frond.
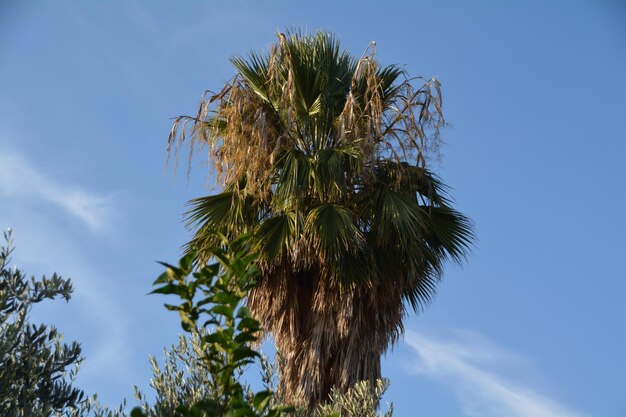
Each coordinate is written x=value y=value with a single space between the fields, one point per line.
x=255 y=71
x=413 y=180
x=331 y=230
x=397 y=218
x=452 y=232
x=275 y=235
x=294 y=173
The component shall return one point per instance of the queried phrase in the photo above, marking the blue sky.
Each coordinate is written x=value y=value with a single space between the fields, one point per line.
x=535 y=94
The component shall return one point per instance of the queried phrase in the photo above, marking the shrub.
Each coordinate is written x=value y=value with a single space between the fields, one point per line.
x=36 y=368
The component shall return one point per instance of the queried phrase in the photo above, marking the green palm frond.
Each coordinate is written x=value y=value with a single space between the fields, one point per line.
x=334 y=168
x=275 y=235
x=255 y=71
x=228 y=213
x=452 y=232
x=388 y=85
x=413 y=180
x=213 y=211
x=397 y=218
x=294 y=173
x=331 y=229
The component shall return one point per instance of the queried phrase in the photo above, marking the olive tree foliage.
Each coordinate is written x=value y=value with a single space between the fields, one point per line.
x=183 y=378
x=36 y=368
x=361 y=400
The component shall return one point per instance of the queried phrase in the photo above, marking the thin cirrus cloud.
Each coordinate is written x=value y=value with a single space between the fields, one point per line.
x=20 y=178
x=466 y=365
x=95 y=316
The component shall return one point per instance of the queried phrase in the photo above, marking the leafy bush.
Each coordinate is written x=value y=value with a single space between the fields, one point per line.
x=36 y=368
x=359 y=401
x=183 y=379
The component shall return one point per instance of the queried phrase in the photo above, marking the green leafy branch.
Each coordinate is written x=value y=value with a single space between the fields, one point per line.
x=212 y=307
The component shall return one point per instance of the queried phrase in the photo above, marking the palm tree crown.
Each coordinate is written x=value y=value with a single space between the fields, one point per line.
x=324 y=158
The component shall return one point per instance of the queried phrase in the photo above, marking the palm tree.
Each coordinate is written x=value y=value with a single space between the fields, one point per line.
x=323 y=157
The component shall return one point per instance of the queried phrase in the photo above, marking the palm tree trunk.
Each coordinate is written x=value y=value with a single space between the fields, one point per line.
x=329 y=337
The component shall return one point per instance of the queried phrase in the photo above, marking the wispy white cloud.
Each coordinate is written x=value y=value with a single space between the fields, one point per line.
x=94 y=317
x=20 y=178
x=467 y=365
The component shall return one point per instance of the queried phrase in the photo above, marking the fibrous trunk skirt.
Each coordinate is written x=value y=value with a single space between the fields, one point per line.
x=329 y=335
